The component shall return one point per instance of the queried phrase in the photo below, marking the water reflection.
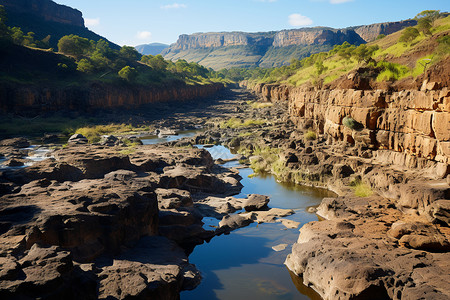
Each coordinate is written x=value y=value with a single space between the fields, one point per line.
x=154 y=139
x=242 y=265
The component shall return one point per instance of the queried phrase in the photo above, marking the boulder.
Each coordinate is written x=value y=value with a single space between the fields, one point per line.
x=232 y=222
x=78 y=139
x=109 y=140
x=256 y=202
x=15 y=143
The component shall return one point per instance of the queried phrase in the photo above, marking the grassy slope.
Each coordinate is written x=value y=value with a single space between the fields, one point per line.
x=413 y=55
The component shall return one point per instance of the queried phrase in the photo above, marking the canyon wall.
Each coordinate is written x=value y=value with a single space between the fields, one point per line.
x=371 y=32
x=219 y=50
x=412 y=123
x=315 y=36
x=46 y=9
x=97 y=96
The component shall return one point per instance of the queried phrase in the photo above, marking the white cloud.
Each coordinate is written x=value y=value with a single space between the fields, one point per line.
x=92 y=22
x=339 y=1
x=144 y=35
x=174 y=6
x=299 y=20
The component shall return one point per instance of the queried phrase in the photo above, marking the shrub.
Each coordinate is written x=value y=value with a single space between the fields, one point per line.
x=128 y=73
x=352 y=123
x=408 y=35
x=238 y=123
x=310 y=135
x=85 y=66
x=361 y=189
x=391 y=71
x=444 y=45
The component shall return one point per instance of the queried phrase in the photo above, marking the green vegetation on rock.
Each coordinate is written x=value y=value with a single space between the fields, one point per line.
x=378 y=56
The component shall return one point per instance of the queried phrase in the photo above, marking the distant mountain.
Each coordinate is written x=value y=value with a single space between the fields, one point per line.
x=219 y=50
x=45 y=17
x=151 y=49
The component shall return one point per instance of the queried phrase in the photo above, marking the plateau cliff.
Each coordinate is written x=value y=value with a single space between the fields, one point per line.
x=270 y=49
x=370 y=32
x=45 y=17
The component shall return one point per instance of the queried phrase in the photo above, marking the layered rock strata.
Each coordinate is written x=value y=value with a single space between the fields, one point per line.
x=47 y=10
x=382 y=246
x=97 y=96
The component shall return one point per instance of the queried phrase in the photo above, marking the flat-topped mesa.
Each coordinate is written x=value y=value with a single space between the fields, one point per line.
x=316 y=36
x=220 y=39
x=218 y=50
x=46 y=9
x=371 y=32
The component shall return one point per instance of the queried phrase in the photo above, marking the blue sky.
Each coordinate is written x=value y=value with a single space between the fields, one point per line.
x=134 y=22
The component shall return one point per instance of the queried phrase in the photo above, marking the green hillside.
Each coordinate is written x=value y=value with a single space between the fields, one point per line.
x=391 y=58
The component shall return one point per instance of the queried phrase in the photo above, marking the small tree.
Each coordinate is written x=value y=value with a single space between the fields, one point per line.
x=28 y=40
x=432 y=15
x=17 y=35
x=85 y=66
x=130 y=53
x=74 y=45
x=365 y=53
x=424 y=25
x=408 y=35
x=128 y=73
x=320 y=68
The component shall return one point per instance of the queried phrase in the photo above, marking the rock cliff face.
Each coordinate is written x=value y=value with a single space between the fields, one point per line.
x=47 y=18
x=415 y=123
x=386 y=244
x=221 y=39
x=97 y=96
x=46 y=9
x=371 y=32
x=270 y=49
x=315 y=36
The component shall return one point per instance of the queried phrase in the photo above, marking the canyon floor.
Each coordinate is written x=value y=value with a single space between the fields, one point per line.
x=113 y=221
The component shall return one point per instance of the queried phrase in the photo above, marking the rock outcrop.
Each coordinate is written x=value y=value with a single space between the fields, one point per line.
x=369 y=33
x=47 y=10
x=47 y=18
x=413 y=123
x=315 y=36
x=270 y=49
x=22 y=99
x=94 y=223
x=394 y=144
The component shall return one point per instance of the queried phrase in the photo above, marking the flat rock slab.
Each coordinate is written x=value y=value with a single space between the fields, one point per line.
x=155 y=267
x=256 y=202
x=368 y=249
x=280 y=247
x=268 y=216
x=289 y=223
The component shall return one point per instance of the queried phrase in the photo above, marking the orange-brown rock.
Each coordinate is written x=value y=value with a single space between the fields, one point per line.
x=93 y=223
x=413 y=122
x=97 y=96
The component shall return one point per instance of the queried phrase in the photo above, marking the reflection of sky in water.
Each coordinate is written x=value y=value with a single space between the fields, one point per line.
x=154 y=139
x=242 y=265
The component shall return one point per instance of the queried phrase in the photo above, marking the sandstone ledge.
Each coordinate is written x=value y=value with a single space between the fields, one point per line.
x=94 y=223
x=364 y=251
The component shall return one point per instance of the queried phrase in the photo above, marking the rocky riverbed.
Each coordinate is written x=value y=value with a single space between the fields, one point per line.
x=110 y=221
x=389 y=242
